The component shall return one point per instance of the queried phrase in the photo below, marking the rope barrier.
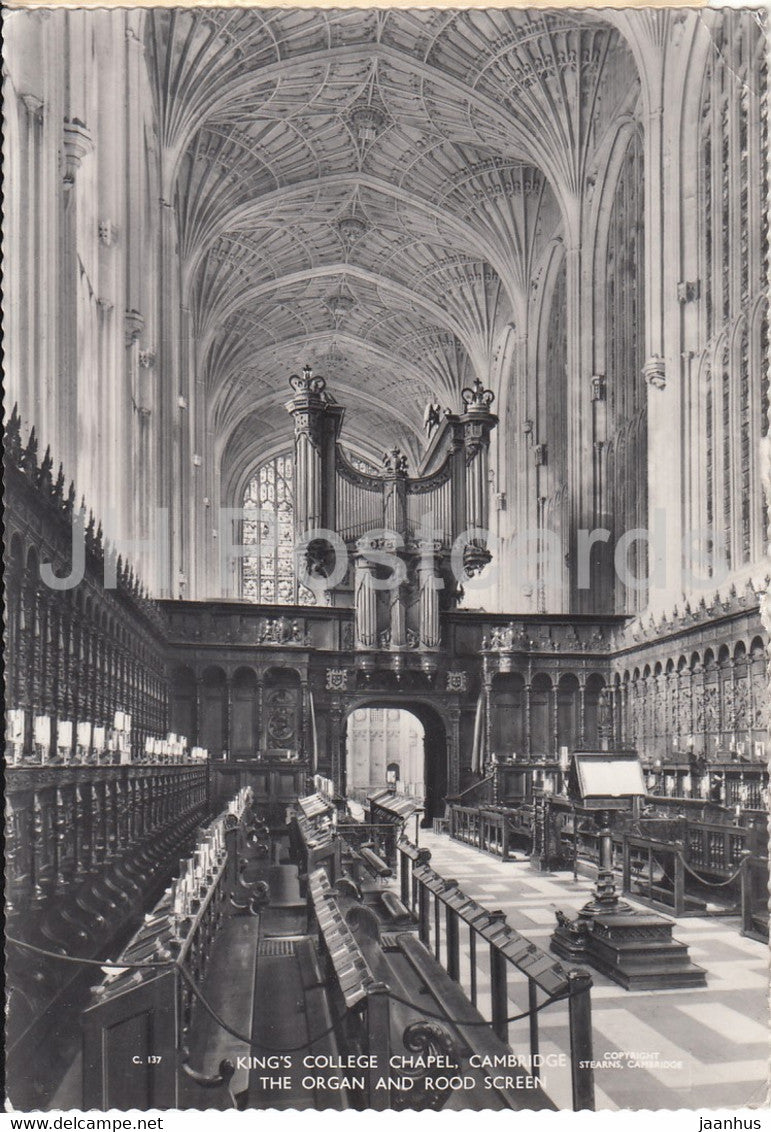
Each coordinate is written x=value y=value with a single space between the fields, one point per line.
x=711 y=883
x=242 y=1037
x=697 y=876
x=161 y=965
x=198 y=993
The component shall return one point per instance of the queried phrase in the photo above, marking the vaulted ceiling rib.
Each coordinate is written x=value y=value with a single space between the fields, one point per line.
x=369 y=191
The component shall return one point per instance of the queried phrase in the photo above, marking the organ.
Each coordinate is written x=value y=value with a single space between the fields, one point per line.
x=435 y=523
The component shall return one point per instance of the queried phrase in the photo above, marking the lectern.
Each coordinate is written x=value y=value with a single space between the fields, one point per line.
x=604 y=783
x=633 y=948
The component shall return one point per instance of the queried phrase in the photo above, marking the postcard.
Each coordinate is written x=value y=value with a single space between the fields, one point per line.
x=387 y=484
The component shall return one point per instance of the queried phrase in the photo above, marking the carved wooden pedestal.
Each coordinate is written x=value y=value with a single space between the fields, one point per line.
x=634 y=949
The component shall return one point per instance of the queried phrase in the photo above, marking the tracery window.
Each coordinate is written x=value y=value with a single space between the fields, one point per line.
x=732 y=188
x=362 y=465
x=627 y=475
x=553 y=496
x=268 y=576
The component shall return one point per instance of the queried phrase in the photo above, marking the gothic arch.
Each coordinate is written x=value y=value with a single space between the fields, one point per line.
x=437 y=741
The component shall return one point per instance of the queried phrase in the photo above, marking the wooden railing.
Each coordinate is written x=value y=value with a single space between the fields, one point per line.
x=484 y=828
x=66 y=823
x=714 y=848
x=398 y=1014
x=754 y=897
x=712 y=873
x=442 y=909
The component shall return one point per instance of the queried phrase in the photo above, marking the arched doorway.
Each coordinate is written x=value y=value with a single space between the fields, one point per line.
x=422 y=761
x=385 y=747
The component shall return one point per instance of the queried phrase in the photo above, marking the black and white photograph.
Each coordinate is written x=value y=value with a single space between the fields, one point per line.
x=387 y=488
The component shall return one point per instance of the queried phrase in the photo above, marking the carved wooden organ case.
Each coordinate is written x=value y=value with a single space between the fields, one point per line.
x=434 y=523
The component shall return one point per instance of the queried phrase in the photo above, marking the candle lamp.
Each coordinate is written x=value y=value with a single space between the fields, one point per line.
x=42 y=735
x=83 y=741
x=99 y=743
x=64 y=739
x=14 y=730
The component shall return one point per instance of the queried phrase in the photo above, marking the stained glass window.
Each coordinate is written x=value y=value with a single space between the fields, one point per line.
x=624 y=358
x=268 y=576
x=732 y=191
x=362 y=465
x=552 y=579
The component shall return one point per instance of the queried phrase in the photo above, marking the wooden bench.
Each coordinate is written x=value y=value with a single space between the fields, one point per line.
x=477 y=1037
x=412 y=977
x=317 y=1007
x=374 y=864
x=395 y=911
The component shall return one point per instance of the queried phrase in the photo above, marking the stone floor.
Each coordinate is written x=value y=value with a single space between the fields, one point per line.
x=711 y=1044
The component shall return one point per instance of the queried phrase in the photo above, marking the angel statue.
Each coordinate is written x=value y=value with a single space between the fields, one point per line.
x=431 y=417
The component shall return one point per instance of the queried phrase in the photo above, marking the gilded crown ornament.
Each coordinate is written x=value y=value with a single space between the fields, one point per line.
x=307 y=382
x=395 y=461
x=477 y=399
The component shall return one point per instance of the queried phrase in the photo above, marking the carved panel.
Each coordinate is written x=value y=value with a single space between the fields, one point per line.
x=282 y=713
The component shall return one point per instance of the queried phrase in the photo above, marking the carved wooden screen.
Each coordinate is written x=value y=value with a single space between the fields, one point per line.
x=627 y=475
x=732 y=187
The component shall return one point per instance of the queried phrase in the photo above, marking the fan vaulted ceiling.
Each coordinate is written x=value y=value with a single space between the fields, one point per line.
x=370 y=192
